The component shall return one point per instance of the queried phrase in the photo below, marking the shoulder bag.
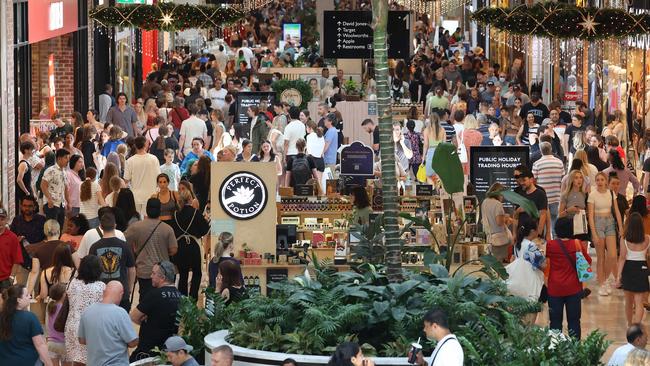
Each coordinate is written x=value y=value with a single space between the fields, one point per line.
x=581 y=266
x=139 y=251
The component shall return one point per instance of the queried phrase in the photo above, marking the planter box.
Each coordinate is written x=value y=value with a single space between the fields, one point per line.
x=251 y=357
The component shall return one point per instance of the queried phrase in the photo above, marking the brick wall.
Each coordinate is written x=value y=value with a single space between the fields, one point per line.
x=9 y=127
x=62 y=49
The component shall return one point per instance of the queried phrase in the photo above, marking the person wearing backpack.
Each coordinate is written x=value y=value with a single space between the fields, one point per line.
x=301 y=168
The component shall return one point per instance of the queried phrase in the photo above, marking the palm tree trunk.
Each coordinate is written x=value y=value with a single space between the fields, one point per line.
x=387 y=148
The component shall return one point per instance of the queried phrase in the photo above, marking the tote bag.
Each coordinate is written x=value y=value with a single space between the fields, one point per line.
x=580 y=223
x=422 y=174
x=524 y=280
x=462 y=151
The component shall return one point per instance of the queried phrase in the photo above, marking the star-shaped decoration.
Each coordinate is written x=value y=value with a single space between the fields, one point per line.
x=167 y=19
x=589 y=24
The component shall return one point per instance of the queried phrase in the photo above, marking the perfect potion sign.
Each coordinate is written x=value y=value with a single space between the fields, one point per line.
x=243 y=195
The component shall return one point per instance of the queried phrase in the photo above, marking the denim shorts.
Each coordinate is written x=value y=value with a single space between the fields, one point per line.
x=427 y=162
x=605 y=226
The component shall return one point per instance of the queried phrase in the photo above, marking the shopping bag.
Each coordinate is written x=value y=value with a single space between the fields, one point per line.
x=580 y=223
x=524 y=280
x=583 y=268
x=422 y=174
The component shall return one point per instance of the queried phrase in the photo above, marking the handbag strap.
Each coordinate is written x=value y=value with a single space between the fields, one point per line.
x=566 y=253
x=144 y=245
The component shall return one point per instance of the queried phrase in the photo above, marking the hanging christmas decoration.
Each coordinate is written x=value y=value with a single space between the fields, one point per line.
x=564 y=21
x=166 y=16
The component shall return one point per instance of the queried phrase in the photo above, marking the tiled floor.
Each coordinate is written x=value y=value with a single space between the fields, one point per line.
x=604 y=313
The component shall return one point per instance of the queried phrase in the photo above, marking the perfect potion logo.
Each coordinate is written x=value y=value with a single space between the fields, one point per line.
x=243 y=195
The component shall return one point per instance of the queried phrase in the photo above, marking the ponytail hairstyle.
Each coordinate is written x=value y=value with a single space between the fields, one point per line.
x=524 y=229
x=86 y=192
x=116 y=185
x=57 y=292
x=10 y=298
x=224 y=240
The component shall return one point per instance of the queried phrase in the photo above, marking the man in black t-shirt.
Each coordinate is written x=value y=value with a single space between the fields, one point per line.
x=156 y=313
x=369 y=126
x=528 y=189
x=575 y=126
x=116 y=258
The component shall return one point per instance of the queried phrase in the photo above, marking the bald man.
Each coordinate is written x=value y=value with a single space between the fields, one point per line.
x=108 y=328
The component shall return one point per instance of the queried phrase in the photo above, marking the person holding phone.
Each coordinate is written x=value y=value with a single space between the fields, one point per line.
x=448 y=351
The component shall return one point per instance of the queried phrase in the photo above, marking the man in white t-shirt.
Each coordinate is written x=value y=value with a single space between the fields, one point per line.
x=292 y=132
x=191 y=128
x=636 y=338
x=217 y=94
x=141 y=172
x=448 y=351
x=92 y=236
x=248 y=53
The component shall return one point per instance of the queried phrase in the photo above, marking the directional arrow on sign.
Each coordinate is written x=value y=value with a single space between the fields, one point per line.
x=339 y=46
x=339 y=23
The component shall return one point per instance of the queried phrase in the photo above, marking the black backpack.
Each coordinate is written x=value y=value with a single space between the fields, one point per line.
x=300 y=170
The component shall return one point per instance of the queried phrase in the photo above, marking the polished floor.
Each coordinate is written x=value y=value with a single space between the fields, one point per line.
x=604 y=313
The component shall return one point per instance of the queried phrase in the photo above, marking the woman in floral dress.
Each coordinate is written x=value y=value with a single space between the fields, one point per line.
x=84 y=291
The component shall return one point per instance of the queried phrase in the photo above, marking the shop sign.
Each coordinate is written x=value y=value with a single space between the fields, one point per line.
x=292 y=97
x=495 y=164
x=349 y=34
x=243 y=195
x=357 y=160
x=571 y=96
x=50 y=19
x=372 y=108
x=244 y=100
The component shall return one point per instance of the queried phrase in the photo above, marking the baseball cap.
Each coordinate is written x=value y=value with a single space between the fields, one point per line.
x=3 y=212
x=176 y=343
x=490 y=83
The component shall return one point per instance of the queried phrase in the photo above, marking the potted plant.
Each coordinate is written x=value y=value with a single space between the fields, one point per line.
x=352 y=91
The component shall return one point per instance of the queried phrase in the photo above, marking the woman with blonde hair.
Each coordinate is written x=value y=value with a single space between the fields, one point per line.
x=469 y=136
x=637 y=357
x=116 y=184
x=140 y=114
x=588 y=169
x=110 y=171
x=433 y=134
x=604 y=221
x=223 y=251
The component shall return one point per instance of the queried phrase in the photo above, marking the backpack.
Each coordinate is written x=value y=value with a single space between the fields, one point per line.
x=300 y=170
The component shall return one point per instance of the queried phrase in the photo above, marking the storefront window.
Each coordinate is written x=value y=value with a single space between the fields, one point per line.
x=52 y=84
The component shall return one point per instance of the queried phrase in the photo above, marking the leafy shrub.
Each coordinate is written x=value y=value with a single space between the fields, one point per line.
x=311 y=315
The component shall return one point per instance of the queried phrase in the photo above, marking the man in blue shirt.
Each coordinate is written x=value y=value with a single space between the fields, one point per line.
x=331 y=142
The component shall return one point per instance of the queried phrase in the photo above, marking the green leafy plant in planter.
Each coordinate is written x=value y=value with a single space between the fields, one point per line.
x=195 y=323
x=352 y=90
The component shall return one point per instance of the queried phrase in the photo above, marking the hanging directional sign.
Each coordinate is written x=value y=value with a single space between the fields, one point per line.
x=349 y=34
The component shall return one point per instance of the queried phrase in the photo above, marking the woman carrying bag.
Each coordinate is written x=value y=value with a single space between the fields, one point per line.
x=496 y=222
x=526 y=276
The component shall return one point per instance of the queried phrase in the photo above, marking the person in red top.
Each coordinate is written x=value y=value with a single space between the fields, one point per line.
x=178 y=114
x=564 y=289
x=10 y=251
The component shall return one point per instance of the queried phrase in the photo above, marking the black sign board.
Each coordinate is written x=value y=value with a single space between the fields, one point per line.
x=303 y=190
x=348 y=34
x=275 y=275
x=424 y=190
x=244 y=100
x=357 y=159
x=492 y=164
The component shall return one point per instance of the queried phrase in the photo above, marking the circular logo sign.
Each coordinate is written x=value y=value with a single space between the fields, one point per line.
x=243 y=195
x=292 y=97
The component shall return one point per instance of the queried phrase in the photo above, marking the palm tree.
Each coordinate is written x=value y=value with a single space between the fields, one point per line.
x=387 y=147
